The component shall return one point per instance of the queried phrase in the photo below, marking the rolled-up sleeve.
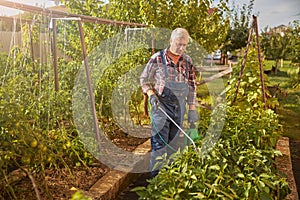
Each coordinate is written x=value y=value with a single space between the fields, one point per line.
x=147 y=76
x=152 y=77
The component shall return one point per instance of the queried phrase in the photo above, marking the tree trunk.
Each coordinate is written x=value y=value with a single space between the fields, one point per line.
x=276 y=65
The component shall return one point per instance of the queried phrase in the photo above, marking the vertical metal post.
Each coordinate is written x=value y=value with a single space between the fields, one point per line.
x=89 y=81
x=124 y=99
x=152 y=42
x=260 y=62
x=145 y=95
x=55 y=56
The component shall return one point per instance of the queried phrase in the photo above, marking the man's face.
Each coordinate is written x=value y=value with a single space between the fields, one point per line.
x=178 y=45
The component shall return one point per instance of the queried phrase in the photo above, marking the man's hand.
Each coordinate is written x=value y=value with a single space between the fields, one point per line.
x=154 y=101
x=193 y=116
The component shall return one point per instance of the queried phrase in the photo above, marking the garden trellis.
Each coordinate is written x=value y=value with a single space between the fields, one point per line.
x=52 y=17
x=254 y=27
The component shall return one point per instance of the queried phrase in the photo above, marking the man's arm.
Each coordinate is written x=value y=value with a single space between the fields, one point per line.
x=152 y=76
x=146 y=77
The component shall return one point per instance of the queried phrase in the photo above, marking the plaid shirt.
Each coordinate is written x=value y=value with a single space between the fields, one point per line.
x=153 y=75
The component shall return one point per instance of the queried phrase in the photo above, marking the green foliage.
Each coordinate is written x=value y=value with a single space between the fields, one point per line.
x=206 y=25
x=278 y=46
x=112 y=76
x=95 y=33
x=283 y=43
x=294 y=78
x=36 y=125
x=80 y=196
x=249 y=93
x=240 y=166
x=241 y=163
x=240 y=23
x=295 y=42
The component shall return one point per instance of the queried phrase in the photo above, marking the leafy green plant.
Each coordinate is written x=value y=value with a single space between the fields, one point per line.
x=240 y=166
x=80 y=196
x=241 y=163
x=36 y=126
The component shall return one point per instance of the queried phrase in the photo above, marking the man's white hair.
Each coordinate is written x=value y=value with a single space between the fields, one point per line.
x=180 y=33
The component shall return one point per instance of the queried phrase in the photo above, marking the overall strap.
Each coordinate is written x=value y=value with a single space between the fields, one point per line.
x=186 y=69
x=164 y=63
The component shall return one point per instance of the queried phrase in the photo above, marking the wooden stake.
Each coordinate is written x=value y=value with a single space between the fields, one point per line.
x=260 y=62
x=253 y=26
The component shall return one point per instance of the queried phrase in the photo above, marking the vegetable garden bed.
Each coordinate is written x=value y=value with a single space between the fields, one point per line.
x=63 y=183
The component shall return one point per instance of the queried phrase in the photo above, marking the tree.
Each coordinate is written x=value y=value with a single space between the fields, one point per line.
x=295 y=44
x=275 y=44
x=206 y=23
x=238 y=31
x=207 y=26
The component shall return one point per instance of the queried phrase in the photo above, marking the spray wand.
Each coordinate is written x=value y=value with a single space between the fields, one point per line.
x=192 y=141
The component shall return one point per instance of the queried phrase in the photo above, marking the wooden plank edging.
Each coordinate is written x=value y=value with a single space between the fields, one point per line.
x=284 y=165
x=112 y=183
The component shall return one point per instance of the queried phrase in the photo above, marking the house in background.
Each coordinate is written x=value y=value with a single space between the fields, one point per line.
x=281 y=29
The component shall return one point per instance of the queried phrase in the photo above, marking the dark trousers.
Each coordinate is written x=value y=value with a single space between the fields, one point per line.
x=165 y=134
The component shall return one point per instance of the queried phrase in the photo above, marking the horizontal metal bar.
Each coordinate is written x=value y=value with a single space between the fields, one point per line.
x=215 y=76
x=61 y=14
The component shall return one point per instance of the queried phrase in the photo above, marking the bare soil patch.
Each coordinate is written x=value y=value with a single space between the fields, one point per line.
x=61 y=184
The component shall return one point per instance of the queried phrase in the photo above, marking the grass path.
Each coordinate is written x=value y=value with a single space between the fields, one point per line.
x=289 y=114
x=289 y=108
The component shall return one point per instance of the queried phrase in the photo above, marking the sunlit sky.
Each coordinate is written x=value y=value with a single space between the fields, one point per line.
x=270 y=13
x=273 y=13
x=5 y=11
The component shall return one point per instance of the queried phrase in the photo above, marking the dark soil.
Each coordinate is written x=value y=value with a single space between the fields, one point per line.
x=61 y=184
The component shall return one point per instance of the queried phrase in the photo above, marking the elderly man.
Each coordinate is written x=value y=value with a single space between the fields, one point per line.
x=169 y=81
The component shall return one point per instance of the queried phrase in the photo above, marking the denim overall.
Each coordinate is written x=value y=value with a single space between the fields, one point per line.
x=164 y=132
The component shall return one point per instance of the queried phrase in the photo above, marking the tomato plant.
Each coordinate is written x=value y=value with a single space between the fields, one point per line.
x=36 y=126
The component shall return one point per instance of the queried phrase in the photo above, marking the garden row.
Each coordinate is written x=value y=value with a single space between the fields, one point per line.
x=238 y=164
x=37 y=128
